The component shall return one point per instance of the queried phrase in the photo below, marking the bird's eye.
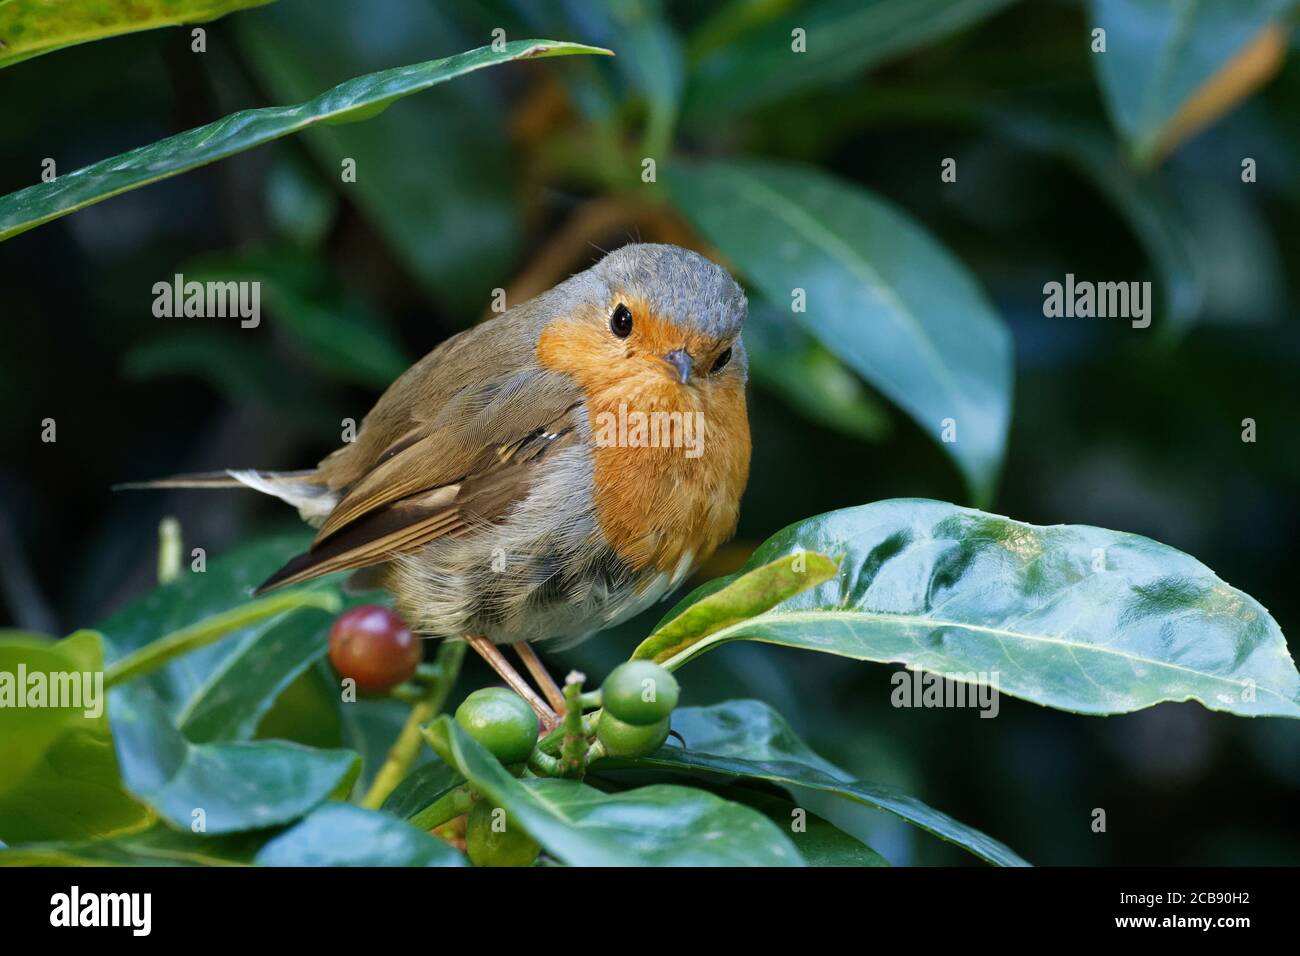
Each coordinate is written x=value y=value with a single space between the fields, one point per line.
x=721 y=361
x=620 y=323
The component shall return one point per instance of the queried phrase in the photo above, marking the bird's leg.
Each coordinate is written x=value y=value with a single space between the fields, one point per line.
x=540 y=674
x=497 y=661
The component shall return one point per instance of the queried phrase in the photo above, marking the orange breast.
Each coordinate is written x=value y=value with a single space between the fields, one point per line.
x=670 y=461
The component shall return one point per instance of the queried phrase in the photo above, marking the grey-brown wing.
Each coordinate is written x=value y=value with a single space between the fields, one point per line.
x=464 y=467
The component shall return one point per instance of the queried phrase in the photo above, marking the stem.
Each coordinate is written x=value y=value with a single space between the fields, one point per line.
x=544 y=765
x=573 y=752
x=402 y=754
x=427 y=672
x=548 y=741
x=447 y=807
x=169 y=550
x=212 y=629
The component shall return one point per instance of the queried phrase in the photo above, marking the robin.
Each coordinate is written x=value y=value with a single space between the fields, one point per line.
x=549 y=472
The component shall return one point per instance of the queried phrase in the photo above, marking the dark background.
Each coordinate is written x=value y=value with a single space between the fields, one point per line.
x=465 y=186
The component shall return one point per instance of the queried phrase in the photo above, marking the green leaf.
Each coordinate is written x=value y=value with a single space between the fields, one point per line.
x=58 y=773
x=440 y=166
x=236 y=786
x=738 y=599
x=818 y=841
x=227 y=583
x=844 y=37
x=339 y=834
x=747 y=739
x=1068 y=616
x=652 y=61
x=789 y=362
x=235 y=697
x=29 y=28
x=881 y=294
x=158 y=846
x=421 y=788
x=217 y=627
x=649 y=826
x=354 y=100
x=1158 y=54
x=370 y=727
x=729 y=20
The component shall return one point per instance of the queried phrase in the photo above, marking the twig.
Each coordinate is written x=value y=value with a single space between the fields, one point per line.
x=402 y=754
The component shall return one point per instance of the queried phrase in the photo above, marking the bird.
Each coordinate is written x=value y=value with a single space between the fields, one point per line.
x=545 y=474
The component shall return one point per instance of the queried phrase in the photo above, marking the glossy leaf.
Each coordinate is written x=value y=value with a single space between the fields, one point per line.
x=1159 y=55
x=843 y=38
x=339 y=834
x=1068 y=616
x=230 y=787
x=421 y=788
x=370 y=726
x=235 y=697
x=658 y=825
x=29 y=28
x=747 y=739
x=353 y=100
x=227 y=583
x=818 y=841
x=58 y=773
x=880 y=293
x=738 y=599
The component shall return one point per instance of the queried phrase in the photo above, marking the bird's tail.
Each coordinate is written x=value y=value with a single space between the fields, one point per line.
x=305 y=490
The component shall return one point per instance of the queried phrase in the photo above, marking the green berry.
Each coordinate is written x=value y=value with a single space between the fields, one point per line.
x=493 y=839
x=501 y=721
x=639 y=692
x=622 y=739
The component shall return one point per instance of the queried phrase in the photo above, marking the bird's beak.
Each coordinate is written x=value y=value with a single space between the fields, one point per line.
x=682 y=364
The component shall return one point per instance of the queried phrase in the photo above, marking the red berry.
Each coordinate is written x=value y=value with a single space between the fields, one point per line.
x=374 y=647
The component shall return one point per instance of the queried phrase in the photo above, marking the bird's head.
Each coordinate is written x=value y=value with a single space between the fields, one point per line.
x=656 y=326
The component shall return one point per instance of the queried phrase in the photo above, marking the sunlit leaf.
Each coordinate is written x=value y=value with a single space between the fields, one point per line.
x=29 y=28
x=1068 y=616
x=735 y=600
x=58 y=773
